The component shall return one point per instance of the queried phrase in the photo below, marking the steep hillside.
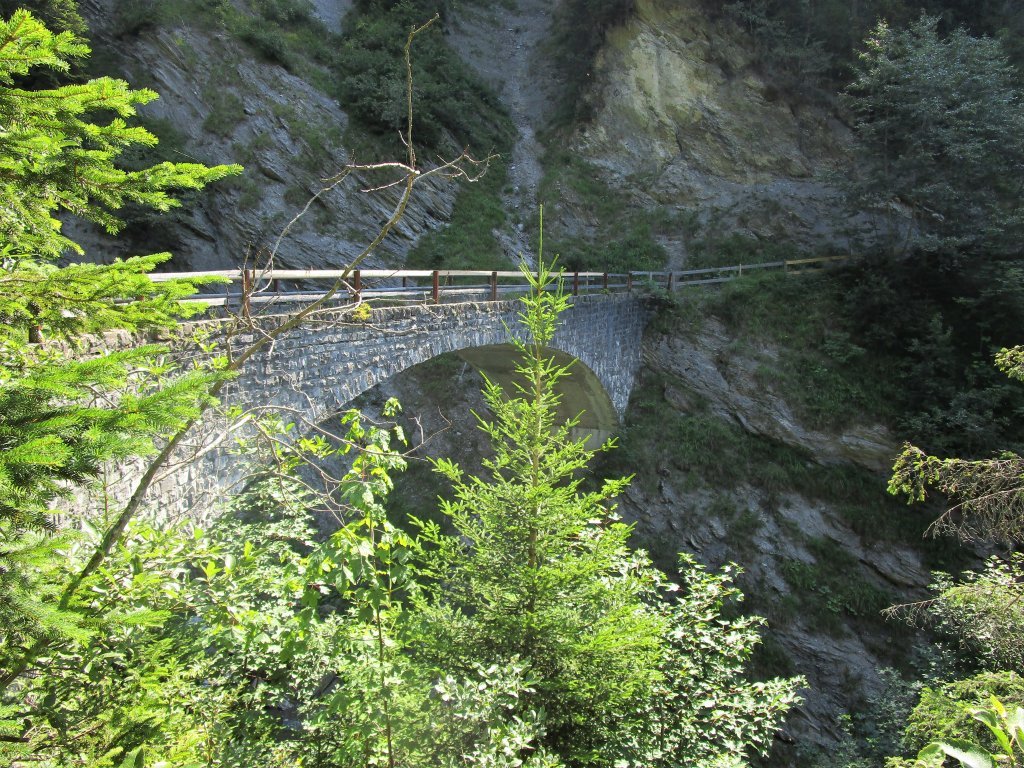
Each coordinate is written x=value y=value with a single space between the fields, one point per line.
x=222 y=100
x=681 y=107
x=686 y=138
x=686 y=126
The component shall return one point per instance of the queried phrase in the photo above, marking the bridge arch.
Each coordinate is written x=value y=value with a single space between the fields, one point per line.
x=322 y=366
x=582 y=395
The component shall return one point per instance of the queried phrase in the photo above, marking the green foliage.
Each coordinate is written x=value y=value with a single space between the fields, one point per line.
x=797 y=58
x=451 y=107
x=731 y=249
x=807 y=46
x=533 y=637
x=63 y=419
x=937 y=126
x=938 y=328
x=981 y=611
x=619 y=241
x=944 y=713
x=826 y=372
x=538 y=570
x=71 y=154
x=58 y=15
x=363 y=67
x=983 y=614
x=715 y=451
x=828 y=591
x=226 y=111
x=468 y=241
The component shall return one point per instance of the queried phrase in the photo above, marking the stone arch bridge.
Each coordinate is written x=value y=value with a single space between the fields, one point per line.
x=321 y=366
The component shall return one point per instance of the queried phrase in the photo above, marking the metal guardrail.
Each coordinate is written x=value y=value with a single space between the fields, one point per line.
x=271 y=285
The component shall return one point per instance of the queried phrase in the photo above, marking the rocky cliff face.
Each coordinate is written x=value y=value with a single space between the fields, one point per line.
x=219 y=103
x=790 y=508
x=682 y=122
x=685 y=120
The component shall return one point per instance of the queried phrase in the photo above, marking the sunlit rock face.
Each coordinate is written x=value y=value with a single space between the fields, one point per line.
x=684 y=118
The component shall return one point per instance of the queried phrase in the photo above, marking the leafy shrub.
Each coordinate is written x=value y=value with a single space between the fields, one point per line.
x=226 y=111
x=447 y=98
x=578 y=32
x=943 y=712
x=265 y=39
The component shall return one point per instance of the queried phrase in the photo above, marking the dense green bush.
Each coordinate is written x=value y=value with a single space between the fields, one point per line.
x=449 y=103
x=578 y=32
x=58 y=15
x=944 y=711
x=809 y=46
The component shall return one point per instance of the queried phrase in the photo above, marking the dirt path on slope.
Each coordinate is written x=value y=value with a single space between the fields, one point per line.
x=502 y=43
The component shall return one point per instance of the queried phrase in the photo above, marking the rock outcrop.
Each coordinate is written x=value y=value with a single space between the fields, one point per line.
x=225 y=104
x=684 y=119
x=715 y=370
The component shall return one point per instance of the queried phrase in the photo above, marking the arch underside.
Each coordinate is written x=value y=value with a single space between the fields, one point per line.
x=582 y=394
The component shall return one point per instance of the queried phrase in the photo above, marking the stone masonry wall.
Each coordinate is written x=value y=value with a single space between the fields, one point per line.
x=318 y=368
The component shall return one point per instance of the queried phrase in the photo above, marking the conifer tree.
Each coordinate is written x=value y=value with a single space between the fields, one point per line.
x=539 y=574
x=61 y=419
x=938 y=128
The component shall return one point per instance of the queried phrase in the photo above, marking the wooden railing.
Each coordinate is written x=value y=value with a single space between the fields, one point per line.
x=431 y=286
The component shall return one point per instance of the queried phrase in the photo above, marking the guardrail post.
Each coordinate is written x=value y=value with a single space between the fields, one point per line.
x=670 y=282
x=605 y=278
x=357 y=283
x=436 y=288
x=494 y=286
x=629 y=282
x=247 y=283
x=575 y=283
x=275 y=285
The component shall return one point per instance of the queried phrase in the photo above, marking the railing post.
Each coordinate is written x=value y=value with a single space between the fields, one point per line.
x=357 y=283
x=494 y=286
x=247 y=283
x=629 y=282
x=275 y=286
x=575 y=283
x=670 y=282
x=605 y=277
x=436 y=289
